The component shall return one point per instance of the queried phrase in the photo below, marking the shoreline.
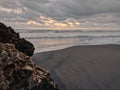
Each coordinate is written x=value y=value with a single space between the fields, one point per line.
x=92 y=67
x=36 y=52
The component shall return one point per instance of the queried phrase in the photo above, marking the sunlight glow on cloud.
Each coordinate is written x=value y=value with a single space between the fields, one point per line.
x=8 y=10
x=49 y=22
x=32 y=22
x=77 y=23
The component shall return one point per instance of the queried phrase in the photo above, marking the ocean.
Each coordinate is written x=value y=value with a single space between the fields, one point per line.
x=48 y=40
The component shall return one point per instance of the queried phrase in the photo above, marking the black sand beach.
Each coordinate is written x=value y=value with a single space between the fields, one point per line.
x=94 y=67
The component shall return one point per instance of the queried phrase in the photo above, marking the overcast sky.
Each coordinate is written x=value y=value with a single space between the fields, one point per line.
x=61 y=14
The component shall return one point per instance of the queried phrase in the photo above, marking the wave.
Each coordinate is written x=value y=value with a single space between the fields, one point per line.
x=61 y=31
x=68 y=34
x=110 y=36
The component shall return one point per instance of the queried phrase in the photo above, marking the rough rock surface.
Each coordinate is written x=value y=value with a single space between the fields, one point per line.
x=8 y=35
x=18 y=72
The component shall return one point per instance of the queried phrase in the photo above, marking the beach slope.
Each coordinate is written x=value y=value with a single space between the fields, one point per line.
x=94 y=67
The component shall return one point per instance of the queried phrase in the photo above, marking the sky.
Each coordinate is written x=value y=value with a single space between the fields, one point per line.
x=61 y=14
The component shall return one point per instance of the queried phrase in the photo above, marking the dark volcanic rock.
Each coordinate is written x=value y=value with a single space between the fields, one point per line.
x=8 y=35
x=18 y=72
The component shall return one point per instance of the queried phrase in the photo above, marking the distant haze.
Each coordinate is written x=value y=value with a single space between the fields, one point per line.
x=61 y=14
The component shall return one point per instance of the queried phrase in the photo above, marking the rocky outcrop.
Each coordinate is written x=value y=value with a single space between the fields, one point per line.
x=8 y=35
x=19 y=72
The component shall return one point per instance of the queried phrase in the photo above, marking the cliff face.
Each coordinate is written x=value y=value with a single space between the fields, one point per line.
x=8 y=35
x=17 y=70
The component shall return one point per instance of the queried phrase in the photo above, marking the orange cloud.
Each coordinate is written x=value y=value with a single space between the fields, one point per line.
x=32 y=22
x=53 y=24
x=77 y=23
x=49 y=22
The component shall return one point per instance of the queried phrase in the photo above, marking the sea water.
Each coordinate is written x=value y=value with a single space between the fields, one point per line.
x=47 y=40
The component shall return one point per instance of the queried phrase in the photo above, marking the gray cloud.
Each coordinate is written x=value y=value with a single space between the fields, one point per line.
x=77 y=8
x=93 y=11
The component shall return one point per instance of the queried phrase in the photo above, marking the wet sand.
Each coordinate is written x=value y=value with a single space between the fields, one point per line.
x=94 y=67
